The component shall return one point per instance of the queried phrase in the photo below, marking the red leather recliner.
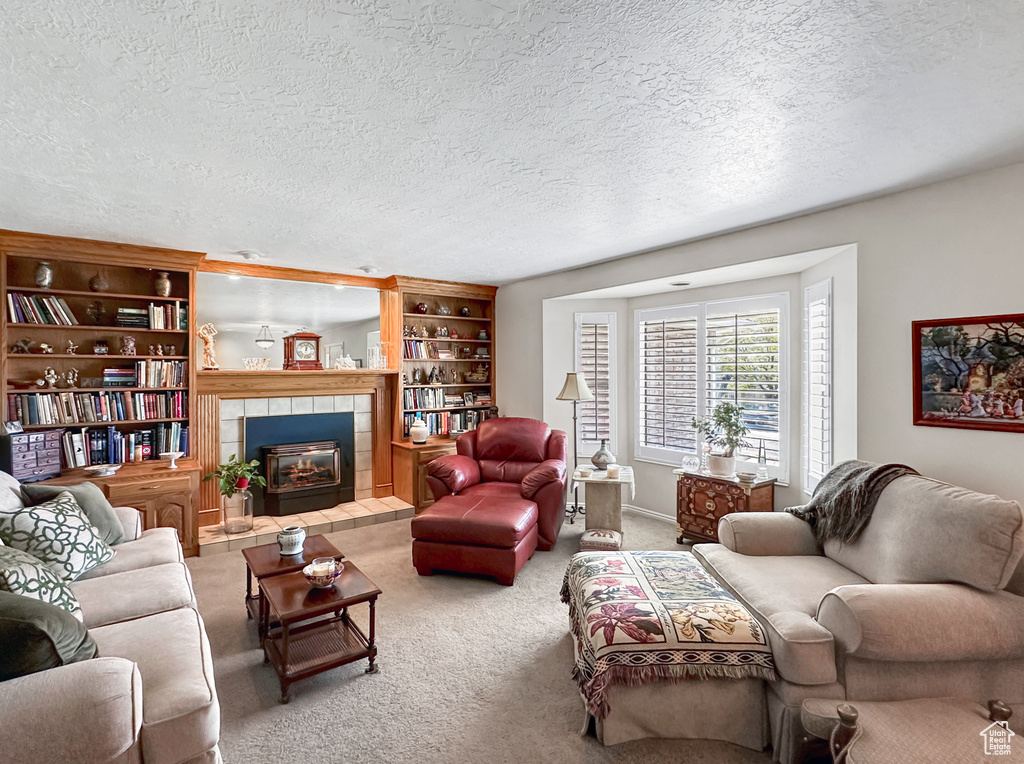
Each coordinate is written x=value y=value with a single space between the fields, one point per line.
x=500 y=497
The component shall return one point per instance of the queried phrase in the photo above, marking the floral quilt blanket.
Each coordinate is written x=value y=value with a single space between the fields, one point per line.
x=643 y=617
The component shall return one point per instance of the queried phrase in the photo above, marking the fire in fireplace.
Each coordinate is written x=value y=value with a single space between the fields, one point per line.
x=302 y=466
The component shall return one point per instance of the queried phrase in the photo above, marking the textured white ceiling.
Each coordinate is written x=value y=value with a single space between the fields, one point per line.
x=486 y=141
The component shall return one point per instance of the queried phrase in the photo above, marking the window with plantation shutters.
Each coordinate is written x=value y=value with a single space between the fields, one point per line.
x=691 y=358
x=743 y=368
x=668 y=391
x=817 y=408
x=595 y=359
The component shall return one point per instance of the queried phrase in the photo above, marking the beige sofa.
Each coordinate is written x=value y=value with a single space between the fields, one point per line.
x=927 y=603
x=149 y=697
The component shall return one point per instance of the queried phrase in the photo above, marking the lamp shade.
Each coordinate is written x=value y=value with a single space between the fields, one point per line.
x=575 y=389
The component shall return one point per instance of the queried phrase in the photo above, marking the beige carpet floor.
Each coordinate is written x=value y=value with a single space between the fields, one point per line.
x=471 y=671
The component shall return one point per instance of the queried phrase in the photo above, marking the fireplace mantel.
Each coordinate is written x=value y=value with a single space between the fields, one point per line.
x=213 y=386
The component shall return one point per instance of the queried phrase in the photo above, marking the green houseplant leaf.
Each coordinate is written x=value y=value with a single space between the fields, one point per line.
x=229 y=473
x=724 y=429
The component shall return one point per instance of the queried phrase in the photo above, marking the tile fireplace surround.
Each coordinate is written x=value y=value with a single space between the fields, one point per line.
x=233 y=413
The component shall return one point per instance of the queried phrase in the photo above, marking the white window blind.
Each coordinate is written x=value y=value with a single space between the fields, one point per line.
x=817 y=408
x=595 y=359
x=668 y=389
x=743 y=369
x=690 y=358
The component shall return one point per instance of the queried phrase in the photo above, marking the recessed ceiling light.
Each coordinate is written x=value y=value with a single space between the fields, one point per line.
x=339 y=286
x=680 y=283
x=249 y=254
x=234 y=276
x=369 y=270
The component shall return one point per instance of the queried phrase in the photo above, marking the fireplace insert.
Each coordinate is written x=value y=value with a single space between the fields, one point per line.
x=302 y=466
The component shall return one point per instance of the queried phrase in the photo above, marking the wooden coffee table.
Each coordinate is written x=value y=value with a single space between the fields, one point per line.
x=315 y=633
x=266 y=560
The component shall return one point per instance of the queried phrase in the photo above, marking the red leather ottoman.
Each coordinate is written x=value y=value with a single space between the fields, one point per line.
x=489 y=535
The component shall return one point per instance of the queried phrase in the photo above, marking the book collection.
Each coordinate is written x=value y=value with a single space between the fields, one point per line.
x=413 y=349
x=151 y=373
x=71 y=408
x=443 y=422
x=107 y=445
x=162 y=317
x=38 y=309
x=437 y=398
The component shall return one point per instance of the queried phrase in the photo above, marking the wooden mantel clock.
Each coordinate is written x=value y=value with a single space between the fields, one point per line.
x=302 y=352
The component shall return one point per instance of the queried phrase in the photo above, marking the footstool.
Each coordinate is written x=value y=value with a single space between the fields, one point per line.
x=488 y=535
x=600 y=540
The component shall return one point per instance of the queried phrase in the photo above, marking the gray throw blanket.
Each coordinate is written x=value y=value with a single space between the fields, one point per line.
x=843 y=501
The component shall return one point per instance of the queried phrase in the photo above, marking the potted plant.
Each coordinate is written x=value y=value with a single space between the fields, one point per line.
x=724 y=431
x=234 y=477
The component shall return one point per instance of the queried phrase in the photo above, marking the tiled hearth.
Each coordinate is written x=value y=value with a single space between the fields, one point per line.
x=354 y=514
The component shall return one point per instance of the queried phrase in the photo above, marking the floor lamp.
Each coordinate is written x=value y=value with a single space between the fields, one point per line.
x=575 y=389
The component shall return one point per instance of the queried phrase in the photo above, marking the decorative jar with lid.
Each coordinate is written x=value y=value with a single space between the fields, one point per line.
x=418 y=431
x=290 y=540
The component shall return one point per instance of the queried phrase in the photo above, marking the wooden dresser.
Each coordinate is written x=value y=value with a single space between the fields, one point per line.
x=163 y=496
x=410 y=469
x=702 y=500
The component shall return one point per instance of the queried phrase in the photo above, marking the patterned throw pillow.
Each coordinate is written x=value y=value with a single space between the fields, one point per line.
x=21 y=573
x=58 y=533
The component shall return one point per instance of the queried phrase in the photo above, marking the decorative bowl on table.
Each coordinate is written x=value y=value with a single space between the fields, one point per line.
x=746 y=477
x=327 y=572
x=172 y=457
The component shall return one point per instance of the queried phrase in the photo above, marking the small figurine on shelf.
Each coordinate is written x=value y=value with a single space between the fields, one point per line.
x=127 y=345
x=432 y=377
x=152 y=349
x=170 y=350
x=442 y=377
x=407 y=331
x=44 y=275
x=98 y=283
x=424 y=332
x=100 y=347
x=159 y=349
x=71 y=378
x=72 y=348
x=454 y=334
x=465 y=312
x=95 y=310
x=22 y=346
x=418 y=376
x=47 y=349
x=441 y=332
x=51 y=377
x=482 y=335
x=444 y=310
x=455 y=377
x=206 y=333
x=405 y=378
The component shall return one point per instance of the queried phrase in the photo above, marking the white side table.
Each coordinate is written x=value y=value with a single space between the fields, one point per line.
x=604 y=497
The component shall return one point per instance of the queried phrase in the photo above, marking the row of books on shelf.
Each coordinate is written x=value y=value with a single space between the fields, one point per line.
x=66 y=407
x=151 y=373
x=443 y=422
x=438 y=397
x=39 y=309
x=107 y=445
x=170 y=316
x=419 y=349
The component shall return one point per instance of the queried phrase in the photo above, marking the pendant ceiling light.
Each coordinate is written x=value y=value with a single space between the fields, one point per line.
x=263 y=339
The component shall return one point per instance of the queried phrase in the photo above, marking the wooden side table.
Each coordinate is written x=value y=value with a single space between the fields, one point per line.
x=410 y=469
x=306 y=643
x=702 y=500
x=266 y=560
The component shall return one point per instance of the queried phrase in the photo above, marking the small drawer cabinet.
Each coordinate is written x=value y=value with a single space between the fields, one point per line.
x=702 y=500
x=30 y=456
x=410 y=469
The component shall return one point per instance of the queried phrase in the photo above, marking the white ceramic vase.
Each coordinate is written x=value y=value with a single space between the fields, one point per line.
x=722 y=466
x=418 y=431
x=290 y=539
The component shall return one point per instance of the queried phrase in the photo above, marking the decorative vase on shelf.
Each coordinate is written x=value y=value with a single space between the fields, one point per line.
x=418 y=431
x=603 y=457
x=237 y=509
x=98 y=284
x=162 y=284
x=44 y=275
x=290 y=540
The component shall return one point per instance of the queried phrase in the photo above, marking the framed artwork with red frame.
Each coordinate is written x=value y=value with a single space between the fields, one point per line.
x=969 y=372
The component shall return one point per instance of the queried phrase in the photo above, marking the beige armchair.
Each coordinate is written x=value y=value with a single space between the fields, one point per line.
x=927 y=603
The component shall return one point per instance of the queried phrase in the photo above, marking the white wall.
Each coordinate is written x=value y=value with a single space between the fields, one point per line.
x=945 y=250
x=354 y=337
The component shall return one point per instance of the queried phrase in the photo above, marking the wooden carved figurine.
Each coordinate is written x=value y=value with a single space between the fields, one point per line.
x=127 y=345
x=71 y=378
x=72 y=347
x=206 y=333
x=22 y=346
x=48 y=349
x=51 y=377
